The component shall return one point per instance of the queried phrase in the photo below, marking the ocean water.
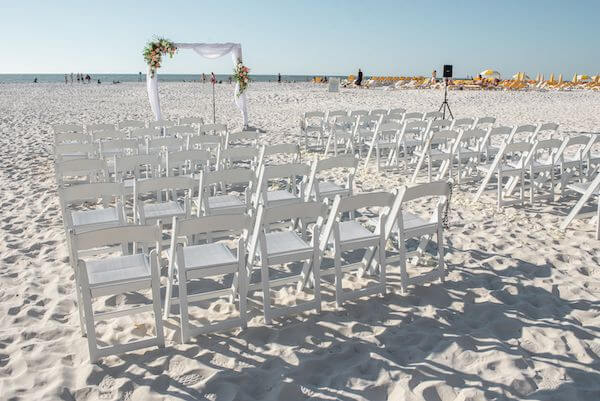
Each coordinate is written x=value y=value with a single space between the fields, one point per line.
x=108 y=78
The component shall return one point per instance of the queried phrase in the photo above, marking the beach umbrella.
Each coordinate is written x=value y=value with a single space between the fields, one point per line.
x=490 y=74
x=583 y=78
x=574 y=78
x=520 y=76
x=551 y=80
x=560 y=80
x=538 y=78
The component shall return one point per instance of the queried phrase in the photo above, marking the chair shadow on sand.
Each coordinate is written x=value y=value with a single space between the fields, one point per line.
x=331 y=350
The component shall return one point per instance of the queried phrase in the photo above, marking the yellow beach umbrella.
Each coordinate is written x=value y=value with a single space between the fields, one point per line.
x=581 y=78
x=490 y=74
x=574 y=78
x=538 y=77
x=560 y=80
x=551 y=80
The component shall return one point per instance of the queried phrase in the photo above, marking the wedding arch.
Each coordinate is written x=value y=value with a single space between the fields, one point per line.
x=208 y=50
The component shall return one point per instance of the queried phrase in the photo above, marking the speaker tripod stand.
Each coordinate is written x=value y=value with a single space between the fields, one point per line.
x=445 y=104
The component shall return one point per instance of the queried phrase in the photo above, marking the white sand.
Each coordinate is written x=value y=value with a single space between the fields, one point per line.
x=517 y=318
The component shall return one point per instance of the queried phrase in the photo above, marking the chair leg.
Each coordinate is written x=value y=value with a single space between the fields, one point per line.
x=382 y=265
x=337 y=261
x=316 y=262
x=403 y=271
x=160 y=335
x=440 y=245
x=243 y=294
x=499 y=191
x=264 y=277
x=89 y=323
x=183 y=306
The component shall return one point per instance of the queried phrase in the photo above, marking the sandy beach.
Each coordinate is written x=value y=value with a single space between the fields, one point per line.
x=518 y=317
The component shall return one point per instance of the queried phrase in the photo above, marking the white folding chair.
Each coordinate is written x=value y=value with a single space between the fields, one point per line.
x=359 y=113
x=242 y=138
x=523 y=133
x=546 y=131
x=397 y=111
x=413 y=116
x=364 y=131
x=439 y=148
x=80 y=171
x=63 y=138
x=204 y=142
x=128 y=169
x=386 y=137
x=111 y=148
x=72 y=151
x=509 y=162
x=213 y=129
x=193 y=260
x=79 y=218
x=340 y=235
x=484 y=122
x=587 y=190
x=180 y=130
x=319 y=188
x=408 y=225
x=462 y=123
x=280 y=153
x=160 y=124
x=216 y=194
x=65 y=128
x=293 y=176
x=271 y=247
x=542 y=163
x=433 y=115
x=190 y=121
x=148 y=209
x=144 y=133
x=493 y=141
x=571 y=159
x=117 y=275
x=467 y=152
x=312 y=125
x=341 y=134
x=411 y=140
x=108 y=135
x=378 y=112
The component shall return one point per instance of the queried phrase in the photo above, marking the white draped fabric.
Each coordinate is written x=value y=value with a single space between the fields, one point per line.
x=208 y=50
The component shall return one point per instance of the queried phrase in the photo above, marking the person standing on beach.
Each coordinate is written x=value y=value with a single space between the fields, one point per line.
x=203 y=78
x=71 y=78
x=66 y=79
x=359 y=79
x=434 y=77
x=279 y=77
x=140 y=77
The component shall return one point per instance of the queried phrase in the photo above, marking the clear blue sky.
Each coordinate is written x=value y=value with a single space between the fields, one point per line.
x=306 y=37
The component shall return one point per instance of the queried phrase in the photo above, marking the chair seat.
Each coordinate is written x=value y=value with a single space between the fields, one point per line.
x=118 y=269
x=98 y=218
x=285 y=242
x=207 y=255
x=281 y=196
x=351 y=231
x=327 y=188
x=582 y=187
x=414 y=222
x=163 y=209
x=228 y=202
x=541 y=164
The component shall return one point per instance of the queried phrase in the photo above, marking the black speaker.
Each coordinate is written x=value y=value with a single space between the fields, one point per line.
x=447 y=71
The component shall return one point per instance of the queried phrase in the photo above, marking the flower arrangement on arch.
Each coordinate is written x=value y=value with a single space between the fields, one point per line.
x=241 y=76
x=154 y=51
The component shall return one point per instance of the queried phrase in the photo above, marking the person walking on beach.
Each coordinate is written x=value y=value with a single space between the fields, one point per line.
x=358 y=81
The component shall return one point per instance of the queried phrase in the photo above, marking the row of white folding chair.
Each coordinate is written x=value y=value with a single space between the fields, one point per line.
x=124 y=124
x=189 y=261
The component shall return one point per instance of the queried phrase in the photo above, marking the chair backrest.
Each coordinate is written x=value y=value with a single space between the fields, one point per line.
x=438 y=125
x=305 y=210
x=177 y=183
x=347 y=162
x=347 y=122
x=129 y=124
x=160 y=124
x=378 y=112
x=333 y=114
x=108 y=134
x=228 y=157
x=91 y=128
x=413 y=116
x=144 y=133
x=109 y=148
x=193 y=226
x=187 y=161
x=215 y=129
x=397 y=110
x=546 y=131
x=544 y=149
x=433 y=115
x=95 y=169
x=522 y=133
x=204 y=141
x=62 y=128
x=485 y=122
x=575 y=146
x=97 y=239
x=226 y=177
x=363 y=200
x=242 y=138
x=314 y=114
x=472 y=138
x=135 y=165
x=180 y=130
x=67 y=151
x=500 y=134
x=190 y=120
x=71 y=137
x=165 y=143
x=289 y=151
x=446 y=137
x=462 y=123
x=103 y=191
x=355 y=113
